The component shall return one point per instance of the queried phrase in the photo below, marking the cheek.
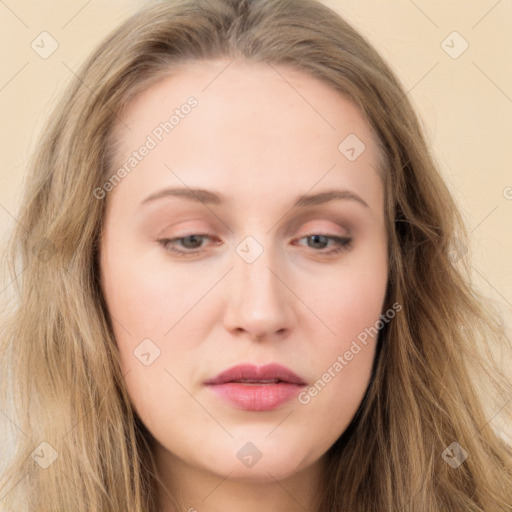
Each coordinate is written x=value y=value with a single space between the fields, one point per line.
x=350 y=299
x=155 y=323
x=343 y=358
x=145 y=301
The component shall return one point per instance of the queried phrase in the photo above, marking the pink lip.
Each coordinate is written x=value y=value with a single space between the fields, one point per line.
x=256 y=395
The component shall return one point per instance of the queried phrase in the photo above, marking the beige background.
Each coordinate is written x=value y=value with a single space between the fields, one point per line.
x=465 y=102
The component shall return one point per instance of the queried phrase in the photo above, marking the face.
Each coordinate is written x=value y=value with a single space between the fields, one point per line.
x=250 y=261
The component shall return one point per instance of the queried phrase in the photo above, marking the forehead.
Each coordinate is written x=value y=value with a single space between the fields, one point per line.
x=252 y=122
x=244 y=90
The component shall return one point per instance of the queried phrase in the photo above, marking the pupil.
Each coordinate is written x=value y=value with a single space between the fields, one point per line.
x=317 y=237
x=193 y=238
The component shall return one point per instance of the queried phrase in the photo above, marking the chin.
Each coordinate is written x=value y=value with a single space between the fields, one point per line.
x=263 y=462
x=263 y=473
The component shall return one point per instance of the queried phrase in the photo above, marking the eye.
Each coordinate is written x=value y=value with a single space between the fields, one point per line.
x=340 y=243
x=193 y=244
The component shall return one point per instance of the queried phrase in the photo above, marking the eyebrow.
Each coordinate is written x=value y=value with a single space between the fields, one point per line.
x=215 y=198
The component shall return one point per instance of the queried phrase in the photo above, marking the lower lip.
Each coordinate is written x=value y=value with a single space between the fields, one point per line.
x=256 y=397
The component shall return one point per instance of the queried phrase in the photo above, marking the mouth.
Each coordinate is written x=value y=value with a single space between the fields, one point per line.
x=253 y=388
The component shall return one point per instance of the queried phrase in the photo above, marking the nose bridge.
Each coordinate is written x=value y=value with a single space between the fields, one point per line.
x=259 y=301
x=252 y=269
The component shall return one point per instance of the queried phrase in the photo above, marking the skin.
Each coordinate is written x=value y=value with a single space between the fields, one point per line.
x=262 y=136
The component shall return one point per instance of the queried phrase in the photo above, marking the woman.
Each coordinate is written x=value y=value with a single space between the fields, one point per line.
x=182 y=342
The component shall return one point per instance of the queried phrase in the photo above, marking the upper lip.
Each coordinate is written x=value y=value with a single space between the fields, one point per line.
x=253 y=373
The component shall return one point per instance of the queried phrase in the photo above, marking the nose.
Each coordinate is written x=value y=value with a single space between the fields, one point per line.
x=259 y=303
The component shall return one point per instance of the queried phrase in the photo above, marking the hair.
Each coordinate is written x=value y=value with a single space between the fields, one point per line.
x=435 y=360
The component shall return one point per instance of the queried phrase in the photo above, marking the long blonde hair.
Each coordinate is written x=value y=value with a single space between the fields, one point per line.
x=57 y=341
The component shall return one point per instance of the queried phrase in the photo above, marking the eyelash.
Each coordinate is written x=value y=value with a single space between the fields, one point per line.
x=344 y=244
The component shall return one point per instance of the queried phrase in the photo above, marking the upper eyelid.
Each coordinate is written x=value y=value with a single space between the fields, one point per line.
x=342 y=220
x=328 y=231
